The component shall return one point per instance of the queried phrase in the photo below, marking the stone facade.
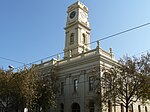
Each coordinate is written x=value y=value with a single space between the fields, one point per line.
x=76 y=69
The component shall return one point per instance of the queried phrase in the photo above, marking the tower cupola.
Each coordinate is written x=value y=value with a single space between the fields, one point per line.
x=77 y=30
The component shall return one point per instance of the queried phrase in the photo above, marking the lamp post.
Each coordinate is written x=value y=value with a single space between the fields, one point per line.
x=10 y=67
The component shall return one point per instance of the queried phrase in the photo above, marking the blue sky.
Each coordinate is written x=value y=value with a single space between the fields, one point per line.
x=34 y=29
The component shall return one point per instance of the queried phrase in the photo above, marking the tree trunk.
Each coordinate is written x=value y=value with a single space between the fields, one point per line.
x=114 y=105
x=127 y=107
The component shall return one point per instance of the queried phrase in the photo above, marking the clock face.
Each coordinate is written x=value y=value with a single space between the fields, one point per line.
x=83 y=15
x=72 y=14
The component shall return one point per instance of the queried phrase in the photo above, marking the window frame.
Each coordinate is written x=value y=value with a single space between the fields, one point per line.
x=91 y=106
x=62 y=84
x=139 y=108
x=84 y=38
x=91 y=83
x=61 y=107
x=71 y=38
x=75 y=85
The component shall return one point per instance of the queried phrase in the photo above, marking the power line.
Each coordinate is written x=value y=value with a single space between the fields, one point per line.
x=141 y=52
x=116 y=34
x=122 y=32
x=12 y=60
x=38 y=60
x=62 y=52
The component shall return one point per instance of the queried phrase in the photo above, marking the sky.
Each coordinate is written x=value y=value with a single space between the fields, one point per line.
x=31 y=30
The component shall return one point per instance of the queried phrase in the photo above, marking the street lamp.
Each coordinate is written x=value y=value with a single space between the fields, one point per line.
x=11 y=67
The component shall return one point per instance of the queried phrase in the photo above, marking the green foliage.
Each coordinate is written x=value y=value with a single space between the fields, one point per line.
x=38 y=90
x=9 y=91
x=47 y=91
x=27 y=88
x=127 y=82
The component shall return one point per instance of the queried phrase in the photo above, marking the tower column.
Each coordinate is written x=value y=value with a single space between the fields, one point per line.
x=77 y=30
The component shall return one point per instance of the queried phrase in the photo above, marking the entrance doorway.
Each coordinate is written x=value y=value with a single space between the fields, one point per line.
x=75 y=107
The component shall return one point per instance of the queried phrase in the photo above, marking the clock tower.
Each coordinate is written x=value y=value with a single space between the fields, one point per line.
x=77 y=30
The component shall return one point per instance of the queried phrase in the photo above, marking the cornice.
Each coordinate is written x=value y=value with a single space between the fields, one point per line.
x=77 y=23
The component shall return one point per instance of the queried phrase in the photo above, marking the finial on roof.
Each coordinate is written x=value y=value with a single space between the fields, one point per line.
x=98 y=44
x=111 y=52
x=58 y=57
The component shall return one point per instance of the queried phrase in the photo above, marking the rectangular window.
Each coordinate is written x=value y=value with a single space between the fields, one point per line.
x=75 y=85
x=122 y=108
x=146 y=109
x=72 y=39
x=91 y=83
x=109 y=106
x=139 y=108
x=91 y=106
x=62 y=88
x=61 y=107
x=132 y=109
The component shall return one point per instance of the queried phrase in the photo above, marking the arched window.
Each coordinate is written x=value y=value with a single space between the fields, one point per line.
x=72 y=38
x=84 y=38
x=75 y=107
x=61 y=107
x=91 y=106
x=131 y=108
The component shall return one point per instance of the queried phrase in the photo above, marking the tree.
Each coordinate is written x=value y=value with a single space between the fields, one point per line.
x=38 y=89
x=27 y=88
x=48 y=88
x=126 y=83
x=9 y=91
x=144 y=67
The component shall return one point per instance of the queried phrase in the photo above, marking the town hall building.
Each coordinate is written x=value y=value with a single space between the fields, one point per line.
x=79 y=64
